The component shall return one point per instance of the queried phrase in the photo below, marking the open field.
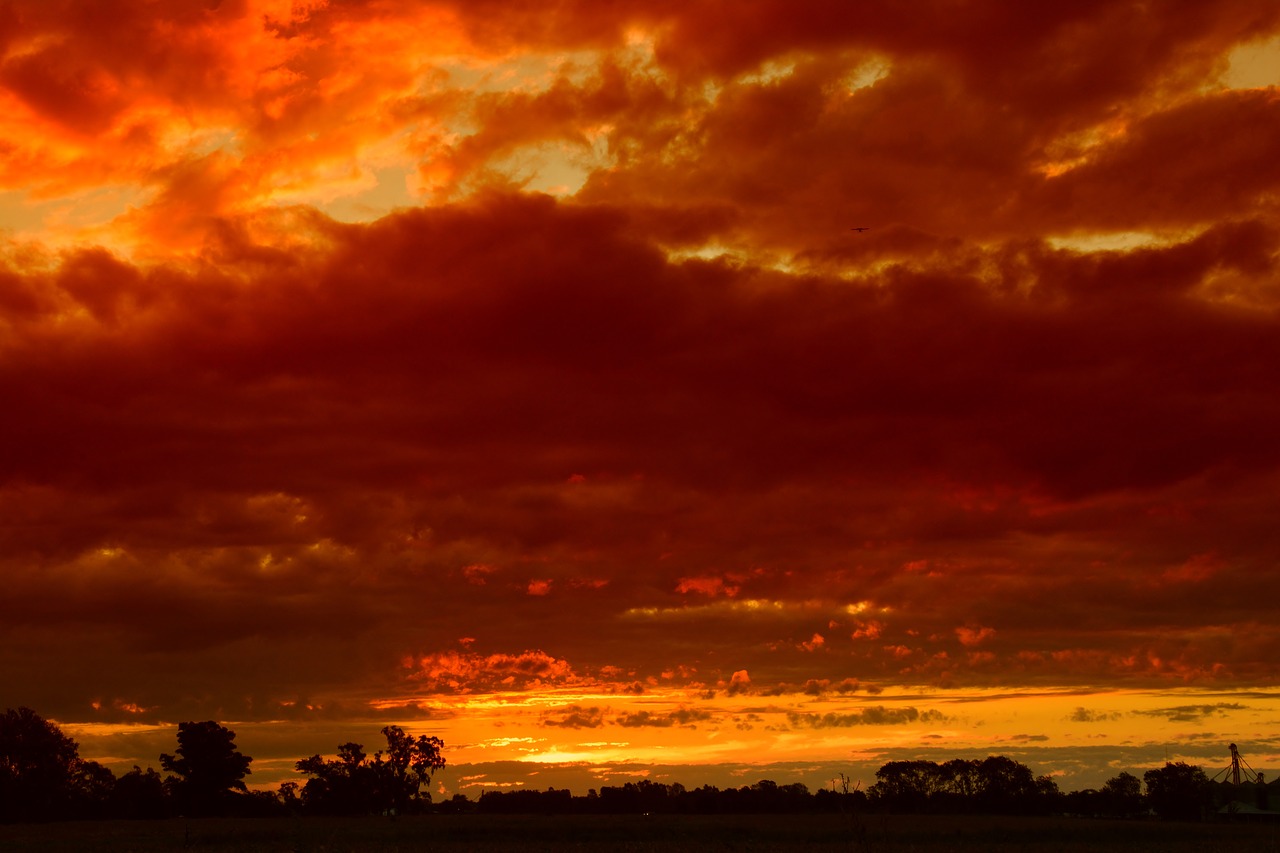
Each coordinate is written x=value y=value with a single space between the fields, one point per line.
x=627 y=833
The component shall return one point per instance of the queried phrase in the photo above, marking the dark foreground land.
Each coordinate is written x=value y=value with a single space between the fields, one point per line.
x=929 y=834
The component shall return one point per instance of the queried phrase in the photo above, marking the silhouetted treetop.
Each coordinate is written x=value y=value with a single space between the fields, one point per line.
x=42 y=776
x=1122 y=795
x=208 y=767
x=1178 y=791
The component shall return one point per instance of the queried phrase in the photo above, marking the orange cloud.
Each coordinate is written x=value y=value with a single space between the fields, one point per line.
x=817 y=641
x=739 y=682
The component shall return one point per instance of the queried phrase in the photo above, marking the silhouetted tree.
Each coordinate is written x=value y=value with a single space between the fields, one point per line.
x=407 y=768
x=1088 y=801
x=960 y=782
x=1048 y=796
x=140 y=795
x=994 y=785
x=1007 y=787
x=458 y=804
x=907 y=786
x=1121 y=795
x=1178 y=791
x=92 y=790
x=342 y=786
x=353 y=784
x=40 y=768
x=288 y=792
x=841 y=798
x=208 y=768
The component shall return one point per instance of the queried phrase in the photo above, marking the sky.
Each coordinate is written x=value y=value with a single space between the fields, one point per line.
x=510 y=372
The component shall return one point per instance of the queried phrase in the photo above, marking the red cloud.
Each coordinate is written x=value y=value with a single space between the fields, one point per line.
x=468 y=672
x=974 y=635
x=709 y=586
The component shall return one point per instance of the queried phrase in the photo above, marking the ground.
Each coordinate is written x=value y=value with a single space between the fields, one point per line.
x=446 y=833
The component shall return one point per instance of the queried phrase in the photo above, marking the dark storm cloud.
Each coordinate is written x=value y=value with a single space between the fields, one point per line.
x=1085 y=715
x=273 y=457
x=680 y=717
x=575 y=717
x=516 y=404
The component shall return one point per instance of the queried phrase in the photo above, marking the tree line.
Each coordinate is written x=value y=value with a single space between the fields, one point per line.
x=1000 y=785
x=42 y=777
x=996 y=785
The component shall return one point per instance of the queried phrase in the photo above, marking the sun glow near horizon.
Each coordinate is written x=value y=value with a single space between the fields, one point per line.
x=587 y=738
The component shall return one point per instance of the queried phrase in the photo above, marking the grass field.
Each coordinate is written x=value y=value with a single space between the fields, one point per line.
x=625 y=833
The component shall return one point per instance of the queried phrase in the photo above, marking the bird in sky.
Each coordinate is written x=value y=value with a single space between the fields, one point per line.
x=860 y=228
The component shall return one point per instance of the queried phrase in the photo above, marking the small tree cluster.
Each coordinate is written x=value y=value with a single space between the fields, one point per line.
x=994 y=785
x=1121 y=796
x=42 y=776
x=1179 y=791
x=390 y=782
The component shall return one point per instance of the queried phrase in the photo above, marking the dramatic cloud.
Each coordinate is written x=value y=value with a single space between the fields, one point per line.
x=513 y=372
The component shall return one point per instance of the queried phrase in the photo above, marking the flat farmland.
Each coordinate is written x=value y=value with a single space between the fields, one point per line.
x=635 y=833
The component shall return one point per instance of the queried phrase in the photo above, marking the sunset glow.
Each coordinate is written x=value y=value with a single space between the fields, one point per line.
x=513 y=373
